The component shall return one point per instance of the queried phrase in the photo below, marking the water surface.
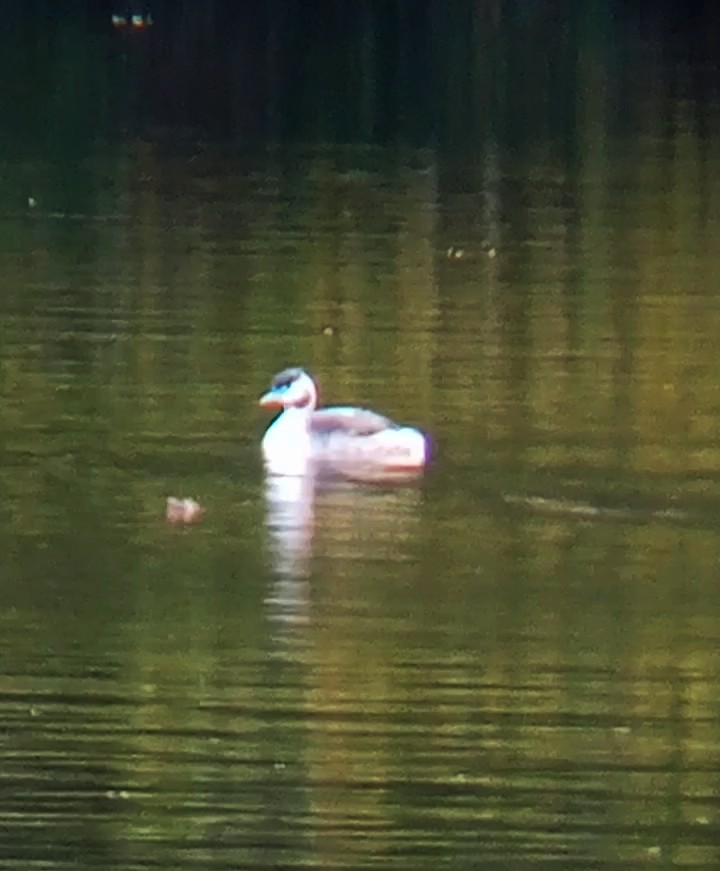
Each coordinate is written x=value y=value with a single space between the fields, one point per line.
x=510 y=664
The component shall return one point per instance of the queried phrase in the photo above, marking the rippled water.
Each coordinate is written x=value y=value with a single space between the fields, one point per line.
x=510 y=664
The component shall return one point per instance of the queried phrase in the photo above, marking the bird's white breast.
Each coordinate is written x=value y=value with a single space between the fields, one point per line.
x=286 y=444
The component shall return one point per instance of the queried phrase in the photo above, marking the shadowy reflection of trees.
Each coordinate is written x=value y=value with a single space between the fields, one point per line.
x=371 y=71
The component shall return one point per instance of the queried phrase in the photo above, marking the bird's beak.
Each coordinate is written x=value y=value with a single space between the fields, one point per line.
x=271 y=399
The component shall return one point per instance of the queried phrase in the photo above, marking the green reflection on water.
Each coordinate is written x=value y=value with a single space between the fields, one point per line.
x=515 y=661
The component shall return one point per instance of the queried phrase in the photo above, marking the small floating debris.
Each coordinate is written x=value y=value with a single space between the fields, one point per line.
x=132 y=21
x=183 y=511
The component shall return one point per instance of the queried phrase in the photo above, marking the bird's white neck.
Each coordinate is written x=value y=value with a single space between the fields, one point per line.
x=286 y=444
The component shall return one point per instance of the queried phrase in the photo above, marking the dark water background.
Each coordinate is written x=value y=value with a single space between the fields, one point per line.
x=502 y=226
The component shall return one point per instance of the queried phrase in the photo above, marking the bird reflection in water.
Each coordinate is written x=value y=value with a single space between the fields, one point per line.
x=310 y=517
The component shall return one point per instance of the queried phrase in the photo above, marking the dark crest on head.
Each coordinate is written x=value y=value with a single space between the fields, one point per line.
x=286 y=377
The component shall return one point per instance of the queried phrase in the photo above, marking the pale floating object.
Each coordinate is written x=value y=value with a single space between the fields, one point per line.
x=136 y=21
x=344 y=440
x=183 y=511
